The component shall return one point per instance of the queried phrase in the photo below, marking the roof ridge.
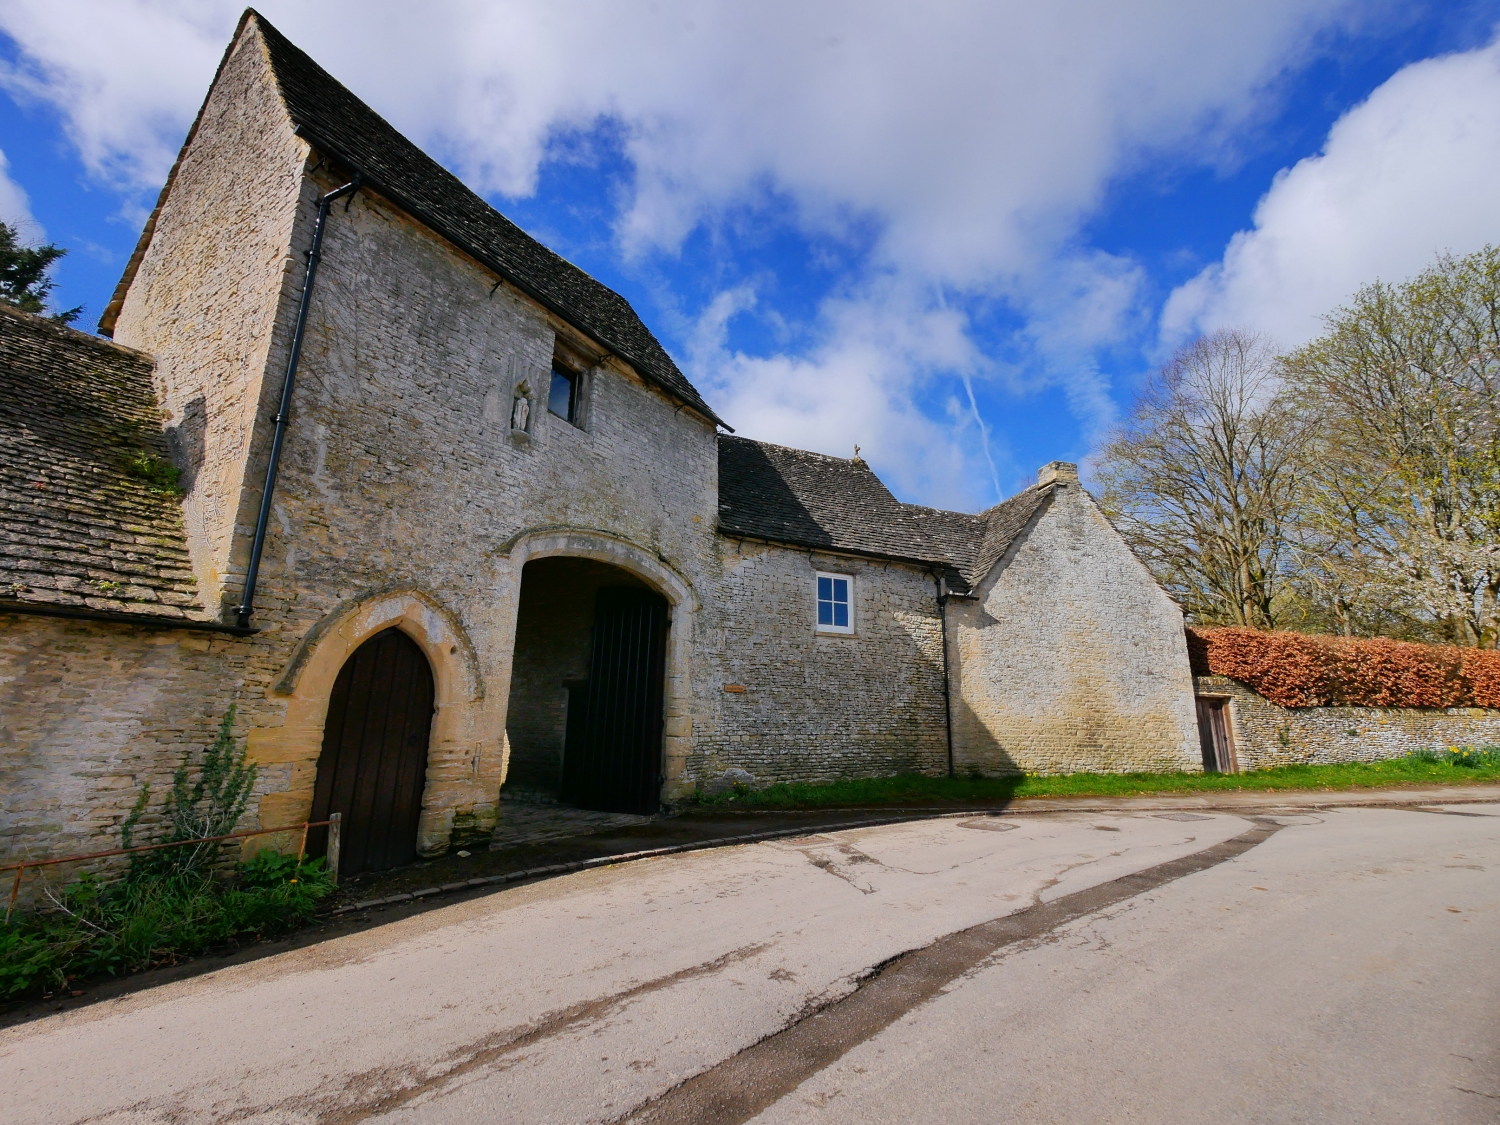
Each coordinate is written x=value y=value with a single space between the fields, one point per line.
x=857 y=463
x=995 y=507
x=943 y=511
x=329 y=115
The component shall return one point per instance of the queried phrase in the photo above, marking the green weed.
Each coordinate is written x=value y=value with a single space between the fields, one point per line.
x=172 y=902
x=151 y=918
x=160 y=476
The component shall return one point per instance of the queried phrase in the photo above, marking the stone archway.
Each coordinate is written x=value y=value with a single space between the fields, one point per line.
x=465 y=762
x=653 y=573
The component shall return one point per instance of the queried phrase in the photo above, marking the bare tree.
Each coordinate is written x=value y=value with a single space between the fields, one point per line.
x=1401 y=507
x=1202 y=479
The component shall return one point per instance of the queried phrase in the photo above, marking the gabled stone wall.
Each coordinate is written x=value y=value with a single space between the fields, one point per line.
x=1069 y=656
x=210 y=301
x=406 y=498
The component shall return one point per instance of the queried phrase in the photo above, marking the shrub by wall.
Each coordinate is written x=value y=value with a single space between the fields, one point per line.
x=1295 y=670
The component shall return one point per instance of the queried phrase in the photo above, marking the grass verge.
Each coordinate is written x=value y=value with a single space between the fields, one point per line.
x=1456 y=767
x=153 y=917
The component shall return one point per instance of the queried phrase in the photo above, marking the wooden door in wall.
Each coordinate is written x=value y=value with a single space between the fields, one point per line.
x=374 y=761
x=612 y=755
x=1213 y=735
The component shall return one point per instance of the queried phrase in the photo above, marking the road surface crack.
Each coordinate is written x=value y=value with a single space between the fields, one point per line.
x=823 y=863
x=738 y=1088
x=1478 y=1093
x=386 y=1088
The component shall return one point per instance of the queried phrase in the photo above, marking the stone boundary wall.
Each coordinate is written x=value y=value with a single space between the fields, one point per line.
x=1267 y=735
x=91 y=712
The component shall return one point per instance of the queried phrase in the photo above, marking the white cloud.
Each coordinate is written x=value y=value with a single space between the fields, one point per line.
x=856 y=384
x=15 y=207
x=974 y=133
x=126 y=75
x=969 y=139
x=1408 y=174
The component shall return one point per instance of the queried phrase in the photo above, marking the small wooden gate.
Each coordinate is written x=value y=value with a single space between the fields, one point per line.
x=1214 y=736
x=612 y=754
x=374 y=761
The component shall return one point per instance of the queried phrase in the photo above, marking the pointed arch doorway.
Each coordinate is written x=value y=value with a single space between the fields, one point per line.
x=373 y=766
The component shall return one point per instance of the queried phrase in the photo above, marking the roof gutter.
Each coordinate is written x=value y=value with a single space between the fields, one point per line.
x=283 y=413
x=489 y=263
x=151 y=621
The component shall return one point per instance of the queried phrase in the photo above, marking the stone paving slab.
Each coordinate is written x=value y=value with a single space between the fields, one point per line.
x=521 y=825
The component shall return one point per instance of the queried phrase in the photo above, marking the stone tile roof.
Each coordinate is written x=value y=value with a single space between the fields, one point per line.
x=803 y=499
x=1002 y=524
x=330 y=117
x=83 y=524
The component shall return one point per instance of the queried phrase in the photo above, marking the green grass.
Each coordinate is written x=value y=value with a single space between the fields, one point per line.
x=154 y=916
x=1460 y=767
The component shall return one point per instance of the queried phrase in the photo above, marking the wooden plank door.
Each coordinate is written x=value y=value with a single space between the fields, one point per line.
x=1213 y=735
x=613 y=757
x=374 y=762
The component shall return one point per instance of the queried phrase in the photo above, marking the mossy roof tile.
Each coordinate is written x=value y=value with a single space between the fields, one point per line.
x=75 y=407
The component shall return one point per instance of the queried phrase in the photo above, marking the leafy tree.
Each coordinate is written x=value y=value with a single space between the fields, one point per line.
x=1400 y=507
x=1202 y=479
x=24 y=280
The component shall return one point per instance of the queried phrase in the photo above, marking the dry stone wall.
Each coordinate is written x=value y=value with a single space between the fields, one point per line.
x=1266 y=735
x=1070 y=657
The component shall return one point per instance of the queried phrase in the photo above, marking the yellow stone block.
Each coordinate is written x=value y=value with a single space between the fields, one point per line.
x=277 y=809
x=268 y=746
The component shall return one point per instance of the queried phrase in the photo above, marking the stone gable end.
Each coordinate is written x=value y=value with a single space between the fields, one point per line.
x=1069 y=656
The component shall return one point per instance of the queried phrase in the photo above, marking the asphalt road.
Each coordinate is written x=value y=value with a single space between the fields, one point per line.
x=1082 y=967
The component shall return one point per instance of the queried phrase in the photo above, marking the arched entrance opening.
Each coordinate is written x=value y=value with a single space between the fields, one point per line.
x=373 y=765
x=587 y=686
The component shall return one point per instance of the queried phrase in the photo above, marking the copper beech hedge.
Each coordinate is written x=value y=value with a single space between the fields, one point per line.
x=1296 y=670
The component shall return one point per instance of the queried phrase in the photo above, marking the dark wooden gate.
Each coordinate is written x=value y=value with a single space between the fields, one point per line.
x=374 y=760
x=612 y=755
x=1213 y=735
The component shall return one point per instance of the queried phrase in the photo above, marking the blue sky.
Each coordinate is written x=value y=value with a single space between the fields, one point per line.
x=958 y=234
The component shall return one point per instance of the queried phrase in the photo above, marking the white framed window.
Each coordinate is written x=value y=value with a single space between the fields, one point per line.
x=835 y=603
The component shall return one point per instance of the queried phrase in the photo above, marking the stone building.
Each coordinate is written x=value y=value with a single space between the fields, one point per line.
x=488 y=535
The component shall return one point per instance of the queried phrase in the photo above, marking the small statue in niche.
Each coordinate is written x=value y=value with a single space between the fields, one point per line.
x=520 y=411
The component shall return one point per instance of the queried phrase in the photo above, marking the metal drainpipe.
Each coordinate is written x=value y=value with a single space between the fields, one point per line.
x=283 y=413
x=942 y=602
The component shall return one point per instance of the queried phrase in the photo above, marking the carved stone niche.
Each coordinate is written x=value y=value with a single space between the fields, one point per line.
x=520 y=404
x=521 y=408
